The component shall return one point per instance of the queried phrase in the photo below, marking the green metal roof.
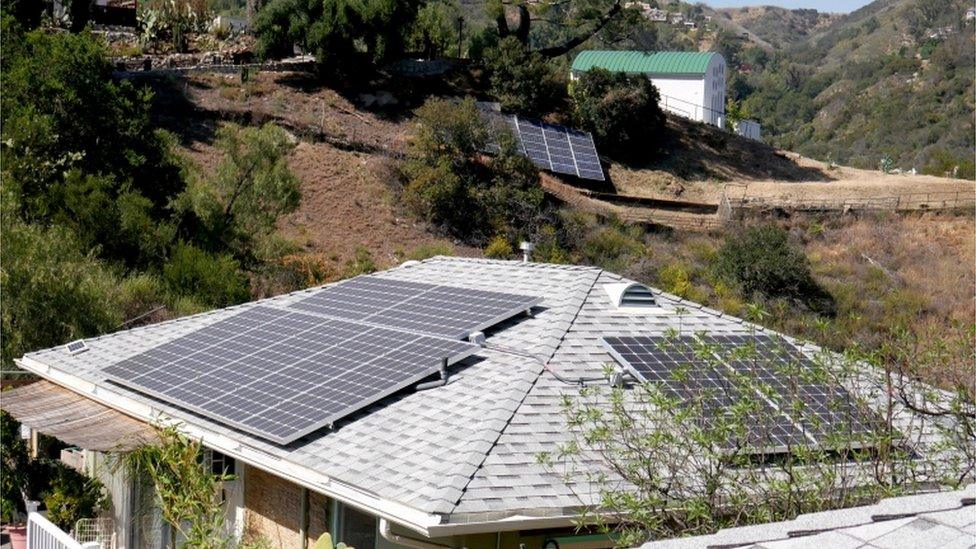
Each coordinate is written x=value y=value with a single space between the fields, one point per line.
x=656 y=62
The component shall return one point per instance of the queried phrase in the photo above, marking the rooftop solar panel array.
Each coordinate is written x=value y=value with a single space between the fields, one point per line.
x=444 y=311
x=558 y=148
x=791 y=410
x=283 y=372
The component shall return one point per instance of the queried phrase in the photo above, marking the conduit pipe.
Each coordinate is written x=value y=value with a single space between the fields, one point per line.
x=387 y=532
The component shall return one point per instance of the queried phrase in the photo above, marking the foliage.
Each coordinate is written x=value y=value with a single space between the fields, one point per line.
x=14 y=462
x=73 y=496
x=361 y=264
x=670 y=465
x=845 y=92
x=621 y=110
x=171 y=22
x=762 y=262
x=452 y=183
x=186 y=491
x=103 y=172
x=427 y=251
x=52 y=292
x=555 y=27
x=345 y=36
x=240 y=205
x=435 y=31
x=499 y=248
x=212 y=280
x=521 y=80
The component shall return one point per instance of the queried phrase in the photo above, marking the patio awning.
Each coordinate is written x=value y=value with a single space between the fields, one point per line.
x=72 y=418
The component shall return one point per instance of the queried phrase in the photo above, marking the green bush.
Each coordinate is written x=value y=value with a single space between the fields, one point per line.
x=72 y=496
x=621 y=110
x=453 y=184
x=361 y=264
x=211 y=279
x=499 y=248
x=761 y=261
x=521 y=80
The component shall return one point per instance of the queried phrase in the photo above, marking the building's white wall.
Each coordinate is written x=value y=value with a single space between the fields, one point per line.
x=681 y=96
x=714 y=92
x=749 y=128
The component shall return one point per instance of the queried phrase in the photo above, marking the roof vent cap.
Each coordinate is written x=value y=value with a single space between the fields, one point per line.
x=631 y=296
x=526 y=248
x=76 y=347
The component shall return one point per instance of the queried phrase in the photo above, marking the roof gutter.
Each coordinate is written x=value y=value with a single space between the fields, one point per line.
x=387 y=532
x=409 y=517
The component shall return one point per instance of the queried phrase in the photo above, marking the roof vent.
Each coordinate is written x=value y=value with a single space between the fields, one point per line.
x=631 y=296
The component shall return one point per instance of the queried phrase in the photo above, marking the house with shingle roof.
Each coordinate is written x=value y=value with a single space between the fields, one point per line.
x=444 y=464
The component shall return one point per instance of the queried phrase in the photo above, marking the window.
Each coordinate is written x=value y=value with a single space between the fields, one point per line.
x=219 y=463
x=356 y=529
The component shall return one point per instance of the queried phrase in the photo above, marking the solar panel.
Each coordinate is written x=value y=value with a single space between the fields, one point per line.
x=443 y=311
x=280 y=374
x=558 y=148
x=77 y=346
x=792 y=408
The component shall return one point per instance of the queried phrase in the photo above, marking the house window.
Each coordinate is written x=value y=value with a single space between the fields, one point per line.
x=356 y=529
x=218 y=463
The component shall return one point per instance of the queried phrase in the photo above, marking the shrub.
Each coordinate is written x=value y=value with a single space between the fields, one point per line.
x=621 y=110
x=72 y=496
x=211 y=279
x=427 y=251
x=499 y=248
x=361 y=264
x=452 y=183
x=676 y=280
x=762 y=262
x=521 y=80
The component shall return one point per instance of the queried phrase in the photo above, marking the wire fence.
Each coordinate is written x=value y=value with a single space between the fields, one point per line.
x=100 y=531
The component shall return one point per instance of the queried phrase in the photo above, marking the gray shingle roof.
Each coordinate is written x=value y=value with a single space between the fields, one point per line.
x=940 y=520
x=467 y=450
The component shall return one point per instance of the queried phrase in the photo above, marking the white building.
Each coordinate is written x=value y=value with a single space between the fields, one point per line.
x=691 y=84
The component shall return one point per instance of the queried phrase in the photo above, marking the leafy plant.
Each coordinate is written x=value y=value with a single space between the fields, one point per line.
x=521 y=80
x=621 y=110
x=186 y=491
x=73 y=496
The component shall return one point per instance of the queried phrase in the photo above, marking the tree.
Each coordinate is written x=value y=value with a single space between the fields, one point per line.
x=252 y=188
x=451 y=182
x=435 y=31
x=80 y=149
x=343 y=34
x=569 y=24
x=679 y=457
x=52 y=291
x=621 y=110
x=521 y=80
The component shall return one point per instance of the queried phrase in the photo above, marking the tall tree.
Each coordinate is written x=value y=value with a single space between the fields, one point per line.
x=568 y=23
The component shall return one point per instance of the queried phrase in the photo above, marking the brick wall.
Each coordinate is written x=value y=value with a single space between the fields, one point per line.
x=273 y=511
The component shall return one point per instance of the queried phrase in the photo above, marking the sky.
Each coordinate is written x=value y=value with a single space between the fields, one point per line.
x=837 y=6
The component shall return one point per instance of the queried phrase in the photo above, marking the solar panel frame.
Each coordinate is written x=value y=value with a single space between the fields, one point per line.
x=279 y=399
x=825 y=421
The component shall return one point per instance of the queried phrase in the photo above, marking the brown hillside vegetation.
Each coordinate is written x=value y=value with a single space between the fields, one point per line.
x=700 y=161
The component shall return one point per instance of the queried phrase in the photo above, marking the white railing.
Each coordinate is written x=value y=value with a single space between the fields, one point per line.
x=44 y=534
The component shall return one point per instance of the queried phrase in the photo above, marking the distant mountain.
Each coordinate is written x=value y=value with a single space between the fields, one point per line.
x=772 y=26
x=894 y=79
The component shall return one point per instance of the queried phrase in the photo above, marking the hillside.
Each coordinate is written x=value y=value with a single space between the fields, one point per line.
x=773 y=26
x=891 y=80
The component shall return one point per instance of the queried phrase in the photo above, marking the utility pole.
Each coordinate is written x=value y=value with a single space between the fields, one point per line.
x=460 y=28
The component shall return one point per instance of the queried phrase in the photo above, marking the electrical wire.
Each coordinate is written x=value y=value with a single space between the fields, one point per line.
x=580 y=381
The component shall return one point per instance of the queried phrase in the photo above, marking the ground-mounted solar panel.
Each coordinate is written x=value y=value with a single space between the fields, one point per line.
x=442 y=311
x=793 y=408
x=280 y=374
x=558 y=148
